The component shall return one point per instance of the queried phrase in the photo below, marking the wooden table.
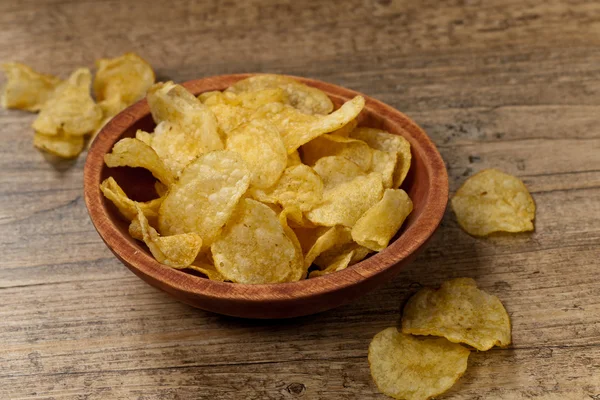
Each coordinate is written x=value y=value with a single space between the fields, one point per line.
x=508 y=84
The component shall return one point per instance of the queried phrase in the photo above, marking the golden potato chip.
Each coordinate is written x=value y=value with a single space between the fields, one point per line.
x=460 y=312
x=356 y=151
x=341 y=262
x=254 y=248
x=346 y=129
x=61 y=145
x=254 y=100
x=230 y=117
x=144 y=136
x=70 y=109
x=260 y=145
x=345 y=203
x=298 y=186
x=379 y=224
x=330 y=256
x=208 y=270
x=289 y=232
x=307 y=99
x=26 y=89
x=134 y=153
x=385 y=141
x=316 y=241
x=334 y=170
x=384 y=162
x=492 y=201
x=212 y=97
x=205 y=196
x=160 y=188
x=135 y=229
x=123 y=79
x=297 y=128
x=127 y=207
x=293 y=159
x=177 y=251
x=410 y=368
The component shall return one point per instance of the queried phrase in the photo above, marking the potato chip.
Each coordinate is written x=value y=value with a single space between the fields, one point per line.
x=134 y=153
x=230 y=117
x=379 y=224
x=208 y=270
x=298 y=186
x=127 y=207
x=253 y=247
x=297 y=128
x=144 y=136
x=410 y=368
x=345 y=203
x=340 y=263
x=205 y=196
x=330 y=256
x=316 y=241
x=254 y=100
x=384 y=162
x=307 y=99
x=356 y=151
x=345 y=130
x=70 y=109
x=160 y=188
x=177 y=251
x=334 y=170
x=123 y=80
x=135 y=230
x=385 y=141
x=260 y=145
x=289 y=232
x=61 y=145
x=293 y=159
x=492 y=201
x=460 y=312
x=26 y=89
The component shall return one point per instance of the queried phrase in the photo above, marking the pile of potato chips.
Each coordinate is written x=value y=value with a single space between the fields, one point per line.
x=263 y=182
x=68 y=115
x=411 y=367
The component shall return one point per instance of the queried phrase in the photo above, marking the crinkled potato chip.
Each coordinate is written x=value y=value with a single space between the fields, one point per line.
x=330 y=256
x=177 y=251
x=135 y=229
x=492 y=201
x=345 y=203
x=341 y=262
x=134 y=153
x=127 y=207
x=385 y=163
x=70 y=109
x=260 y=145
x=356 y=151
x=298 y=186
x=316 y=241
x=291 y=234
x=460 y=312
x=61 y=145
x=410 y=368
x=307 y=99
x=123 y=79
x=205 y=196
x=379 y=224
x=385 y=141
x=293 y=159
x=230 y=117
x=26 y=89
x=345 y=130
x=254 y=248
x=297 y=128
x=334 y=170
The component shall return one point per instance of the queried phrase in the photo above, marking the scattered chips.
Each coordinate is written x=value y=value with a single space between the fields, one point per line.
x=60 y=145
x=26 y=89
x=492 y=201
x=410 y=368
x=254 y=248
x=460 y=312
x=379 y=224
x=123 y=79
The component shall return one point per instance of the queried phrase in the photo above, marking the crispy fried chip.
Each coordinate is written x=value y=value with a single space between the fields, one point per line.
x=291 y=234
x=260 y=145
x=134 y=153
x=345 y=203
x=385 y=163
x=297 y=128
x=330 y=256
x=339 y=263
x=254 y=248
x=356 y=151
x=26 y=89
x=379 y=224
x=160 y=188
x=230 y=117
x=127 y=207
x=61 y=145
x=293 y=159
x=409 y=368
x=316 y=241
x=346 y=129
x=298 y=186
x=205 y=196
x=492 y=201
x=385 y=141
x=123 y=79
x=177 y=251
x=460 y=312
x=208 y=270
x=70 y=109
x=334 y=170
x=307 y=99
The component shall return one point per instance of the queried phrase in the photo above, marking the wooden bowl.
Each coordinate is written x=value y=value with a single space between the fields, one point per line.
x=427 y=185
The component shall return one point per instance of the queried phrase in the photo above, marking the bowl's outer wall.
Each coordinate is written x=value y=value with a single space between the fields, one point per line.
x=426 y=184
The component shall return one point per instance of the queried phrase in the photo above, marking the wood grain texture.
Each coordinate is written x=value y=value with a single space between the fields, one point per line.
x=508 y=84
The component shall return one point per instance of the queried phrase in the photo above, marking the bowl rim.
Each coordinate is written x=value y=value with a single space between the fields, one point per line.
x=141 y=262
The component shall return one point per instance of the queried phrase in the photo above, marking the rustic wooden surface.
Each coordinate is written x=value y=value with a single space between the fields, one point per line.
x=508 y=84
